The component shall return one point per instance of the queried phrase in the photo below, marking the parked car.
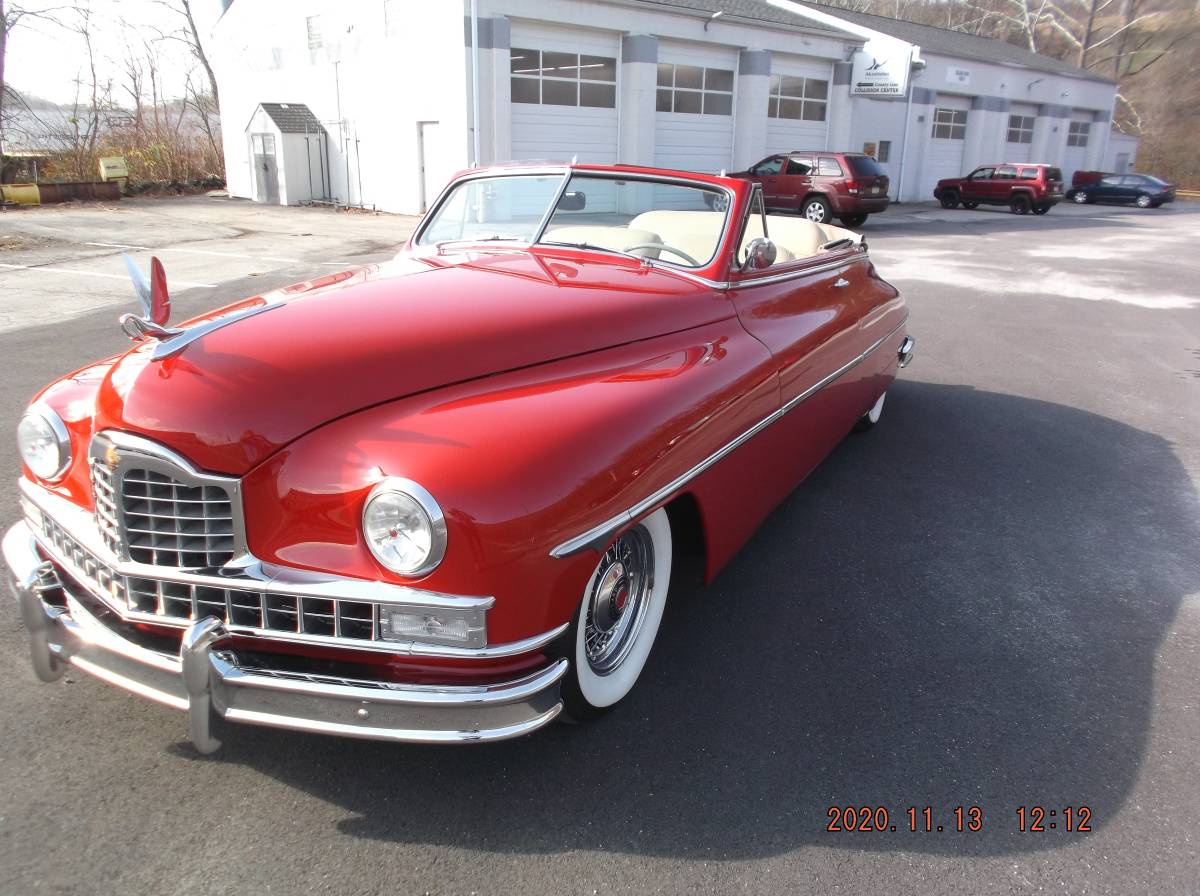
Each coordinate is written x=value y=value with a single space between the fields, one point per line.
x=1143 y=190
x=1023 y=188
x=442 y=498
x=822 y=185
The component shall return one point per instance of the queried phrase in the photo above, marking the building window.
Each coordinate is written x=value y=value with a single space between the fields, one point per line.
x=1077 y=133
x=885 y=151
x=950 y=124
x=550 y=78
x=694 y=90
x=801 y=99
x=1020 y=128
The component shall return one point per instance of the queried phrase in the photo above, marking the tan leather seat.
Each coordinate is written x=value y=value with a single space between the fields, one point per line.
x=696 y=233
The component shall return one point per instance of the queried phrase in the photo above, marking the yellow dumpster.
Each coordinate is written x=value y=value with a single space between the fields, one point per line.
x=24 y=194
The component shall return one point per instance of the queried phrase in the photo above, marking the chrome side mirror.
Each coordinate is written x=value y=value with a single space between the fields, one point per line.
x=760 y=254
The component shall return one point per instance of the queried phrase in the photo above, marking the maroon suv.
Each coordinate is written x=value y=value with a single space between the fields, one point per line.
x=822 y=185
x=1023 y=188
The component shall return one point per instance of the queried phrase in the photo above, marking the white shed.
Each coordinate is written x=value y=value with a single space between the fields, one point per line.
x=289 y=158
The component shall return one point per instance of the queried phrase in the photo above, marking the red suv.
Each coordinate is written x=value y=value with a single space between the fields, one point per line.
x=822 y=185
x=1023 y=188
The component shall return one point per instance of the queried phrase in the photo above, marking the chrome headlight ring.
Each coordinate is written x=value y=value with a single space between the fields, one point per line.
x=44 y=442
x=404 y=527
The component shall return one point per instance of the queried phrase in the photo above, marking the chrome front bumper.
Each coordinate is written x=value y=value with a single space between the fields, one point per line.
x=208 y=683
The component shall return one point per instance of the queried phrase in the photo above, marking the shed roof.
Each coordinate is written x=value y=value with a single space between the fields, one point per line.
x=293 y=118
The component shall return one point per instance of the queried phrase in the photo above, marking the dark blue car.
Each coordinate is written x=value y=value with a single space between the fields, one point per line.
x=1141 y=189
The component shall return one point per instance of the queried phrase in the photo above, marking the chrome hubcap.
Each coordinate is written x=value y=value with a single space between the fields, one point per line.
x=815 y=212
x=1143 y=201
x=618 y=600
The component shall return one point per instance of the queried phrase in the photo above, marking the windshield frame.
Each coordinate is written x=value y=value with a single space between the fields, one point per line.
x=567 y=173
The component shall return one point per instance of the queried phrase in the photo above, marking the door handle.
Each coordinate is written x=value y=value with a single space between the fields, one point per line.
x=840 y=282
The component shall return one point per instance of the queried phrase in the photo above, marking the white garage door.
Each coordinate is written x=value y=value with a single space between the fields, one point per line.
x=798 y=111
x=1018 y=146
x=694 y=117
x=564 y=94
x=1079 y=134
x=948 y=139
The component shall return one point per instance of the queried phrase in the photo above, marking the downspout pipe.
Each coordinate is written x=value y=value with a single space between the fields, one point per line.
x=904 y=139
x=475 y=142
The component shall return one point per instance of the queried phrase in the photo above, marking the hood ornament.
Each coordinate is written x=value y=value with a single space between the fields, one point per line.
x=156 y=303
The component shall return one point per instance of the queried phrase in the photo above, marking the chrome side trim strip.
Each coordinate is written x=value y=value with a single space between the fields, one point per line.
x=598 y=537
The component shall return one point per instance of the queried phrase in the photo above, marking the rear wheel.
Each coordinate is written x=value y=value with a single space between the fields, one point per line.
x=969 y=204
x=1081 y=197
x=949 y=199
x=854 y=220
x=1143 y=200
x=816 y=209
x=1020 y=204
x=1041 y=209
x=618 y=618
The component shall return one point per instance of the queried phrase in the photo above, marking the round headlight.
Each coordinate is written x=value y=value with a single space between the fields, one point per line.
x=44 y=442
x=404 y=527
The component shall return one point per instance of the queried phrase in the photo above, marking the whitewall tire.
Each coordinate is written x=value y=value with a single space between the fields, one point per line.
x=618 y=618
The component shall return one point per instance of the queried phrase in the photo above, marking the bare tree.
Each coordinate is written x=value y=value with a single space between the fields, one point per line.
x=11 y=16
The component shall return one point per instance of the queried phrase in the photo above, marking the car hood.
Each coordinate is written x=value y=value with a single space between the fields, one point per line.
x=323 y=349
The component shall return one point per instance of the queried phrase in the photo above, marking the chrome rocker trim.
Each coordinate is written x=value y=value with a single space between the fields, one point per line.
x=259 y=576
x=598 y=537
x=209 y=684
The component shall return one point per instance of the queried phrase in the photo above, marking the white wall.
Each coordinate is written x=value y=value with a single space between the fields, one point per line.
x=388 y=82
x=1056 y=97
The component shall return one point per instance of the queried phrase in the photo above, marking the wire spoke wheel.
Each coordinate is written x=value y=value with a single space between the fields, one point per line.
x=618 y=600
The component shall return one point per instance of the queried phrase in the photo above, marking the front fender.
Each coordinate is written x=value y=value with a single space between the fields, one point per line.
x=519 y=463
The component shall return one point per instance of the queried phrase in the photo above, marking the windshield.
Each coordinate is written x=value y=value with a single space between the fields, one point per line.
x=492 y=208
x=680 y=224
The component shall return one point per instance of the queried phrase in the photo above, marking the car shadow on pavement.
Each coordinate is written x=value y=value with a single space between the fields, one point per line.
x=961 y=608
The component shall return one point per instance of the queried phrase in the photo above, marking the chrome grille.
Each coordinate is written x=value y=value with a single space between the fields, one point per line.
x=240 y=605
x=170 y=523
x=153 y=508
x=106 y=505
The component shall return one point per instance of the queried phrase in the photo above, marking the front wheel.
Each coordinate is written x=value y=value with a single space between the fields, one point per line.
x=816 y=209
x=1081 y=197
x=949 y=199
x=970 y=204
x=1041 y=209
x=1020 y=205
x=1143 y=200
x=854 y=220
x=618 y=618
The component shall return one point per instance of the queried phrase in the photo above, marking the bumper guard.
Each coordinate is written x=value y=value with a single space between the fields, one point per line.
x=208 y=683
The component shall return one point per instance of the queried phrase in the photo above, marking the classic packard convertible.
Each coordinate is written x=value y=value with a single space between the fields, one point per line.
x=440 y=499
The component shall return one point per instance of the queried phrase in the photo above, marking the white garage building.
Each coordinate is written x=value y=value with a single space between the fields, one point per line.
x=408 y=93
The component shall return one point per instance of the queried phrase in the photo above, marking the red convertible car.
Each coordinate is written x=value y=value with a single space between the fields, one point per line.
x=438 y=499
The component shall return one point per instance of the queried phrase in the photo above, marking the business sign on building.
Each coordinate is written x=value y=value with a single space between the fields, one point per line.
x=958 y=75
x=880 y=68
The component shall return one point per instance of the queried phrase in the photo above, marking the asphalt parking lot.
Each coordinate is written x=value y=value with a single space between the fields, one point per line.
x=990 y=600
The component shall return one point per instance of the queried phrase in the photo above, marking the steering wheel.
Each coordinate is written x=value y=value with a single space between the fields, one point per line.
x=671 y=249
